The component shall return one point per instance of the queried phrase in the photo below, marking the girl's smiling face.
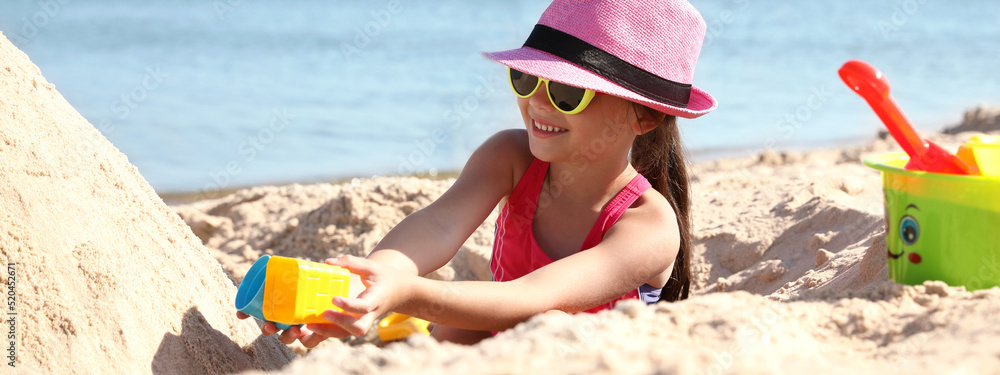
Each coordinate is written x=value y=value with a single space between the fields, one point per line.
x=606 y=127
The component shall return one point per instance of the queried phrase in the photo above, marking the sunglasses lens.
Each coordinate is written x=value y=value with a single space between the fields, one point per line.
x=566 y=97
x=523 y=83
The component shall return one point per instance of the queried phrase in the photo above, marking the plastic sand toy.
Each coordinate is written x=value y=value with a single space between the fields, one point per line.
x=982 y=154
x=299 y=291
x=869 y=82
x=940 y=226
x=398 y=326
x=250 y=295
x=290 y=291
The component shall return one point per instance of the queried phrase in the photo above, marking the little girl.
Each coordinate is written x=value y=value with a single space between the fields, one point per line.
x=599 y=85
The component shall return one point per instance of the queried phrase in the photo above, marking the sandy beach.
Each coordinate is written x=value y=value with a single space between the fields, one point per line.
x=790 y=271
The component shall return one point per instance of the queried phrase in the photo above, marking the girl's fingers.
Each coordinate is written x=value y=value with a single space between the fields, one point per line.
x=326 y=330
x=374 y=295
x=353 y=324
x=358 y=266
x=268 y=328
x=311 y=340
x=355 y=306
x=241 y=315
x=290 y=335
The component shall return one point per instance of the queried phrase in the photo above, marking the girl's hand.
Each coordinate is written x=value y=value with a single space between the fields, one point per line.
x=309 y=339
x=386 y=289
x=384 y=285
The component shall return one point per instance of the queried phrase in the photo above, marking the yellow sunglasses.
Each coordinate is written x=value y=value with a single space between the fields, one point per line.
x=567 y=99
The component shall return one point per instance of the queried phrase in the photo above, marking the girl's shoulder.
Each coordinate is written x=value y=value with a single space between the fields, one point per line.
x=651 y=208
x=653 y=205
x=510 y=148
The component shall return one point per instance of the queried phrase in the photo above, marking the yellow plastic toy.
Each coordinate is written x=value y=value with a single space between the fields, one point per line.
x=298 y=291
x=398 y=326
x=982 y=154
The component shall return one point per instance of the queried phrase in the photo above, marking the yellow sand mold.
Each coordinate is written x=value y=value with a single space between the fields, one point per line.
x=298 y=291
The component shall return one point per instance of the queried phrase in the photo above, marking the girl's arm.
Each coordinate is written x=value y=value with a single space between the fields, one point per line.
x=641 y=245
x=427 y=239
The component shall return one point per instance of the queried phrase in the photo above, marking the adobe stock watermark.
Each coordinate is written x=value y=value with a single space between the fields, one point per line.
x=130 y=100
x=248 y=150
x=457 y=115
x=123 y=107
x=717 y=26
x=224 y=7
x=984 y=277
x=31 y=25
x=357 y=181
x=748 y=338
x=987 y=274
x=901 y=13
x=10 y=318
x=910 y=348
x=585 y=327
x=370 y=29
x=434 y=311
x=582 y=158
x=793 y=121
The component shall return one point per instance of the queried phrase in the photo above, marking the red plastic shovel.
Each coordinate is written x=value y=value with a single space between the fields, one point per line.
x=871 y=84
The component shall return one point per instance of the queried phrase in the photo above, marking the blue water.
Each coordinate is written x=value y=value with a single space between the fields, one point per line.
x=212 y=94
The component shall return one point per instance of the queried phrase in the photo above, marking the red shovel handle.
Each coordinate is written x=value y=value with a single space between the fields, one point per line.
x=873 y=86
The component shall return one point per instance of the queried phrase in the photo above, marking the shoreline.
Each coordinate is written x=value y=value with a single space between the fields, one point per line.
x=699 y=156
x=180 y=198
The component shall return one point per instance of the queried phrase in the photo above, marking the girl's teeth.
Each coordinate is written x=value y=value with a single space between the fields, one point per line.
x=548 y=128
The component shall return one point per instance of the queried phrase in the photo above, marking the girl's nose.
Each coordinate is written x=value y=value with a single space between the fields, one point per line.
x=540 y=99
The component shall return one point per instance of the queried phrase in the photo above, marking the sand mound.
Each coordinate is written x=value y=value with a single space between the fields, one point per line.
x=109 y=280
x=926 y=329
x=789 y=276
x=783 y=227
x=323 y=220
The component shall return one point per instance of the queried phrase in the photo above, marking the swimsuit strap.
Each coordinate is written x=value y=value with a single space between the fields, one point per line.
x=530 y=185
x=615 y=209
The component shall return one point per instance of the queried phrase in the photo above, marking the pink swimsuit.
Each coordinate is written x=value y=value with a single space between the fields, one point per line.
x=515 y=251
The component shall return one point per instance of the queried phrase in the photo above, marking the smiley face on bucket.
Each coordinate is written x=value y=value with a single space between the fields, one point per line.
x=906 y=231
x=932 y=239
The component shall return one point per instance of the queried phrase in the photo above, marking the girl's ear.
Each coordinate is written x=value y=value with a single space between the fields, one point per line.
x=646 y=120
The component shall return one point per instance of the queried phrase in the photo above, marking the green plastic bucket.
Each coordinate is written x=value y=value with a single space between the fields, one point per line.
x=940 y=226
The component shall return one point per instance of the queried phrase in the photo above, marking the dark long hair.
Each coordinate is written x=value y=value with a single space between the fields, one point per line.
x=659 y=157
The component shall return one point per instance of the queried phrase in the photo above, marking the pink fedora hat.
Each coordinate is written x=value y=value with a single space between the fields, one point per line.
x=639 y=50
